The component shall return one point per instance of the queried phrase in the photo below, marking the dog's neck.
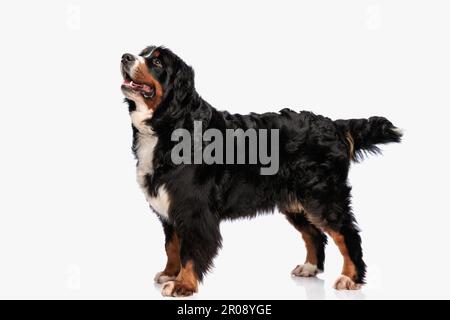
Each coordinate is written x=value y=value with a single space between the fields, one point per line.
x=140 y=116
x=170 y=114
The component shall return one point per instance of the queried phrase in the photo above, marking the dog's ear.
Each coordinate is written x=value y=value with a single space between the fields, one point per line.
x=183 y=84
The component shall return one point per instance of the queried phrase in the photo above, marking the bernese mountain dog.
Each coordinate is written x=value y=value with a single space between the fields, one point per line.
x=310 y=187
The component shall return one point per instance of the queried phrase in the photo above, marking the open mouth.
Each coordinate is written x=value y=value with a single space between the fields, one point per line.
x=146 y=90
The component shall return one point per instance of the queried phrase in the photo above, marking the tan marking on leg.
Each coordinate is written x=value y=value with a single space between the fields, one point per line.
x=349 y=268
x=173 y=264
x=309 y=268
x=188 y=277
x=294 y=208
x=185 y=284
x=311 y=254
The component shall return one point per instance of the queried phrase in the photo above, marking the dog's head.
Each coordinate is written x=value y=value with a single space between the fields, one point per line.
x=154 y=75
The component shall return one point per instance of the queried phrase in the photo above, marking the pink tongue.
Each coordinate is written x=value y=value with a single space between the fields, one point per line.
x=141 y=87
x=137 y=86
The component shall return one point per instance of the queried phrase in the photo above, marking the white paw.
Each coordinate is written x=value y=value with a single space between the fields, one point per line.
x=163 y=278
x=168 y=289
x=345 y=283
x=177 y=289
x=305 y=270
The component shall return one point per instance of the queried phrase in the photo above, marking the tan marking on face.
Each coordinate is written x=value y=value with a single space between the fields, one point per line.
x=349 y=268
x=142 y=75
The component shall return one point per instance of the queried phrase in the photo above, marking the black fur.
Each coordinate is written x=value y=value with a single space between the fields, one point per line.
x=367 y=133
x=314 y=163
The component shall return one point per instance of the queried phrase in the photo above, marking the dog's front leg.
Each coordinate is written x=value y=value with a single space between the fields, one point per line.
x=172 y=247
x=199 y=234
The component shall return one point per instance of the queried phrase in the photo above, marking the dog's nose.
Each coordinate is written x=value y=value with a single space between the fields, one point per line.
x=127 y=57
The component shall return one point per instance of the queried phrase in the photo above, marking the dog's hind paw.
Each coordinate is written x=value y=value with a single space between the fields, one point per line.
x=305 y=270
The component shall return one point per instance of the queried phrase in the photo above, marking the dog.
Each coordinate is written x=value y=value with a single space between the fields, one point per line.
x=310 y=187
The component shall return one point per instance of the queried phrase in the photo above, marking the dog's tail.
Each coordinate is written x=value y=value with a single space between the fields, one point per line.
x=364 y=134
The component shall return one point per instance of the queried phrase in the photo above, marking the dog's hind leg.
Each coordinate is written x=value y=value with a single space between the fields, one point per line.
x=336 y=219
x=349 y=243
x=315 y=241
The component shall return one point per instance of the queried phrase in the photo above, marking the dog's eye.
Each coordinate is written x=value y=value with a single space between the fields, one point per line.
x=157 y=63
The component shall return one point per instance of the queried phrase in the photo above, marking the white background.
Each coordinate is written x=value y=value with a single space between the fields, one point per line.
x=73 y=222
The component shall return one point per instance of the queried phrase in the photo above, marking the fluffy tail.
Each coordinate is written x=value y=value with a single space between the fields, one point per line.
x=364 y=134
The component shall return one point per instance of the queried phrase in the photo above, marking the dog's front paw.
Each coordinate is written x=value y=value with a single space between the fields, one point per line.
x=162 y=277
x=345 y=283
x=305 y=270
x=177 y=289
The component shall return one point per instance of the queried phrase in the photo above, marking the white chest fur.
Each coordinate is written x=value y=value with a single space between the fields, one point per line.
x=145 y=146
